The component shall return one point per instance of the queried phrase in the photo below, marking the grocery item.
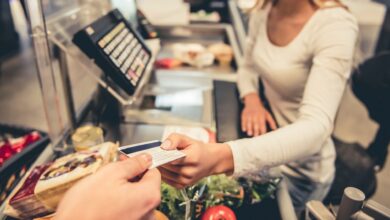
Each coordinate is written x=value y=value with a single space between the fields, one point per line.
x=87 y=136
x=168 y=63
x=11 y=146
x=193 y=54
x=41 y=191
x=219 y=212
x=204 y=16
x=222 y=52
x=160 y=216
x=218 y=190
x=25 y=201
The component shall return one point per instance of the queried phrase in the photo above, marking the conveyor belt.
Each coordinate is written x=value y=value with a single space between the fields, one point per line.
x=227 y=111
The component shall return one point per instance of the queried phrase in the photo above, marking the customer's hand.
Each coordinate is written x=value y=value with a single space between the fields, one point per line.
x=254 y=117
x=201 y=160
x=122 y=190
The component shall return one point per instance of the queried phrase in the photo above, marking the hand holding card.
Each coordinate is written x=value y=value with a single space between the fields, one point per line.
x=160 y=156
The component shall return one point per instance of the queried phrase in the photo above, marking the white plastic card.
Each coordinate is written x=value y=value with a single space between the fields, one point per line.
x=160 y=156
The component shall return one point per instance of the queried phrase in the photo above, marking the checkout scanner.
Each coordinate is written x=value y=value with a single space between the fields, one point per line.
x=118 y=49
x=127 y=62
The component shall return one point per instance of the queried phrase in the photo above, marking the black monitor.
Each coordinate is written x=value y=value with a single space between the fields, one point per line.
x=116 y=48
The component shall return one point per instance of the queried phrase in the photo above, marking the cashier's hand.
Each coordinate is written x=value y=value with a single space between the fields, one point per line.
x=254 y=117
x=116 y=191
x=201 y=160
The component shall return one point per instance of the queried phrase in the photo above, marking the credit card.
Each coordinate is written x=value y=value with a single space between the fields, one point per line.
x=160 y=156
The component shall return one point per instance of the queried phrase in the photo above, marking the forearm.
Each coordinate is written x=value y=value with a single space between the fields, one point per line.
x=248 y=80
x=282 y=146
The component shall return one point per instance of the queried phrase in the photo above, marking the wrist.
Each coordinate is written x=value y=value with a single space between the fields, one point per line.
x=252 y=99
x=223 y=163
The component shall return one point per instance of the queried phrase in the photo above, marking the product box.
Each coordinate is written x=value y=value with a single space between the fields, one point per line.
x=45 y=185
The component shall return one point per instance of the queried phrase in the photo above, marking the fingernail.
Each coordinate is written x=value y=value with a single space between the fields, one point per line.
x=147 y=158
x=166 y=145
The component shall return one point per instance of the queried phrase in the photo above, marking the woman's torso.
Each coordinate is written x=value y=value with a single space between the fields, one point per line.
x=284 y=71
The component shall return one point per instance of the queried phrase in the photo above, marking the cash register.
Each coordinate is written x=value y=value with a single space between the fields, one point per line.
x=117 y=49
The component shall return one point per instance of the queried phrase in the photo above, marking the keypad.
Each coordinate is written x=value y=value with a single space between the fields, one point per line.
x=125 y=51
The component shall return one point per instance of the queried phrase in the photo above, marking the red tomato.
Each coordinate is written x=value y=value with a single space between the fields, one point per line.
x=219 y=212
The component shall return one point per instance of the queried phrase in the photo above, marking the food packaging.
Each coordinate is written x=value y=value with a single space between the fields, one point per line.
x=222 y=52
x=168 y=63
x=87 y=136
x=45 y=185
x=12 y=146
x=193 y=54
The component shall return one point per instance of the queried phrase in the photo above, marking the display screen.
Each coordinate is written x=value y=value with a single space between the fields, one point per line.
x=116 y=48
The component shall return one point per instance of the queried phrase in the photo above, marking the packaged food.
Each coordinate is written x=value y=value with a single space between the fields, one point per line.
x=45 y=185
x=193 y=54
x=87 y=136
x=168 y=63
x=11 y=146
x=25 y=201
x=203 y=16
x=222 y=52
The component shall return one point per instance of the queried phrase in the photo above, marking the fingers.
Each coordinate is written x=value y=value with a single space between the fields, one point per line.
x=249 y=126
x=123 y=157
x=176 y=141
x=149 y=216
x=152 y=177
x=271 y=121
x=263 y=127
x=174 y=169
x=148 y=190
x=256 y=126
x=134 y=166
x=168 y=175
x=243 y=122
x=174 y=184
x=173 y=179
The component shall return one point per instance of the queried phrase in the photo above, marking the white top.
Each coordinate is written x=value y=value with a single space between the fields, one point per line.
x=304 y=82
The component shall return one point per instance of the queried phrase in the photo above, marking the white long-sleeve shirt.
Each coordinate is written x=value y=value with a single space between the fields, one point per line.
x=304 y=82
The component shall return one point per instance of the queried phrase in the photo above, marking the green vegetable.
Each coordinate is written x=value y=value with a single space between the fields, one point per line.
x=212 y=191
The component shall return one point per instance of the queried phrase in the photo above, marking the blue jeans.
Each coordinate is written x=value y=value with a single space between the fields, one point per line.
x=302 y=191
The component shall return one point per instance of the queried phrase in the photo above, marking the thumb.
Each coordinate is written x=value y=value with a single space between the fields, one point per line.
x=177 y=141
x=134 y=166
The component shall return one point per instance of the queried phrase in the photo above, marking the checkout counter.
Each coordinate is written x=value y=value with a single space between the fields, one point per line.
x=184 y=96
